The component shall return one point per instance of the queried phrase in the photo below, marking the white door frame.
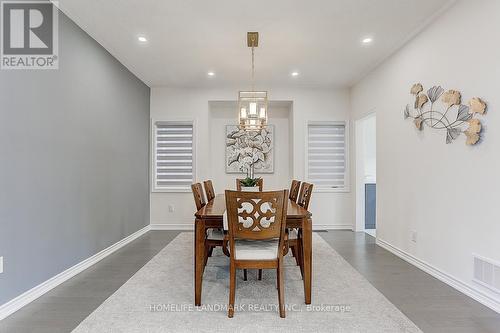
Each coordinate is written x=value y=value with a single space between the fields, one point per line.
x=360 y=172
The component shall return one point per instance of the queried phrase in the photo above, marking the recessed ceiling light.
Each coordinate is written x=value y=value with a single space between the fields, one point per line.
x=295 y=73
x=211 y=73
x=142 y=39
x=367 y=40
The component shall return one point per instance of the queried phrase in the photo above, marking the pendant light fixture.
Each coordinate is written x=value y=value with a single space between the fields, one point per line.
x=252 y=105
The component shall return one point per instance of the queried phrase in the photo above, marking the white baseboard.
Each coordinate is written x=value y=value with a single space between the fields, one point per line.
x=469 y=290
x=175 y=226
x=332 y=226
x=29 y=296
x=190 y=227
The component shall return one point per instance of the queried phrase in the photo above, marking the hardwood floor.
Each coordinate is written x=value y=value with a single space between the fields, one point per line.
x=64 y=307
x=429 y=303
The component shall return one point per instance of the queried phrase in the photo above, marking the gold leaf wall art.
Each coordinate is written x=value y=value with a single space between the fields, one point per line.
x=449 y=114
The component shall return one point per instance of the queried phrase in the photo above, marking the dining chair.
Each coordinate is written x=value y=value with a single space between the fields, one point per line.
x=260 y=184
x=209 y=189
x=199 y=198
x=294 y=193
x=294 y=190
x=214 y=236
x=294 y=235
x=258 y=188
x=257 y=238
x=305 y=195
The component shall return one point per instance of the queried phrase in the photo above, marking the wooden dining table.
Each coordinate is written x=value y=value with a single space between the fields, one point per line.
x=211 y=216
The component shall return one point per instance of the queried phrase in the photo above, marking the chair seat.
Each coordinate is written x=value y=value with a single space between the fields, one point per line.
x=293 y=234
x=256 y=249
x=215 y=234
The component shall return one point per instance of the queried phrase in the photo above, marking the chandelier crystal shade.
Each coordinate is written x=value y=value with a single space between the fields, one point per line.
x=253 y=110
x=252 y=105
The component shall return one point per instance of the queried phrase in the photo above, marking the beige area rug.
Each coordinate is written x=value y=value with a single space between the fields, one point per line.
x=160 y=296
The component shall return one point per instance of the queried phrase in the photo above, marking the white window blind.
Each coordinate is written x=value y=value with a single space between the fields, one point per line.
x=173 y=153
x=326 y=152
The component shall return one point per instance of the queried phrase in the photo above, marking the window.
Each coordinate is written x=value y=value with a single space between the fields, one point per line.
x=327 y=155
x=173 y=156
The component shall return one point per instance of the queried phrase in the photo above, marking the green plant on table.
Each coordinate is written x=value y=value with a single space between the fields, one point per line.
x=249 y=182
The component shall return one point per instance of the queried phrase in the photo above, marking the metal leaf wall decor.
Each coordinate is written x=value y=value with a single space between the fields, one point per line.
x=449 y=115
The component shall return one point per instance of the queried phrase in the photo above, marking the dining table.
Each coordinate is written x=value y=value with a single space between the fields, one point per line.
x=211 y=216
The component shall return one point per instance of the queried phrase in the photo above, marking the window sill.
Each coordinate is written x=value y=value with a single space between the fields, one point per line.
x=332 y=190
x=171 y=190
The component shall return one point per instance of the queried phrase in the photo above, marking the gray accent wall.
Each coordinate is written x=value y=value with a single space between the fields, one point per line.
x=73 y=161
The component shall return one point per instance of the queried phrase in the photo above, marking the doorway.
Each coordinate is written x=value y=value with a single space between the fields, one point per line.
x=366 y=174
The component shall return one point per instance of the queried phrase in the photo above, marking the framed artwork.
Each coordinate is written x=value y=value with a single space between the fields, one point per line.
x=246 y=150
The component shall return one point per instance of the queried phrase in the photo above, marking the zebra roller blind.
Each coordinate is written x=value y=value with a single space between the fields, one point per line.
x=326 y=152
x=173 y=152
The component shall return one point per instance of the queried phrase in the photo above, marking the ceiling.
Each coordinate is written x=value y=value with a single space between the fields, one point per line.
x=320 y=39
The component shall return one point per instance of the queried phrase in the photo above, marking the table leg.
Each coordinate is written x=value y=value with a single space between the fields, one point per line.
x=199 y=258
x=307 y=257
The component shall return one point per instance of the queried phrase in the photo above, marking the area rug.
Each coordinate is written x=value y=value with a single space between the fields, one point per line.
x=160 y=296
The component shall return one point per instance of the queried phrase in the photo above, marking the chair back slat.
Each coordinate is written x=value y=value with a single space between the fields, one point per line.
x=209 y=189
x=260 y=184
x=305 y=195
x=256 y=215
x=294 y=190
x=199 y=198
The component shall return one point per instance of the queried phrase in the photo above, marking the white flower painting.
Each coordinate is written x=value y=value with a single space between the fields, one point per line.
x=247 y=149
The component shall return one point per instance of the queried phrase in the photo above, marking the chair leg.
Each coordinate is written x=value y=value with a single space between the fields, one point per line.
x=207 y=249
x=244 y=275
x=260 y=275
x=224 y=247
x=294 y=251
x=281 y=289
x=210 y=251
x=277 y=278
x=301 y=256
x=232 y=289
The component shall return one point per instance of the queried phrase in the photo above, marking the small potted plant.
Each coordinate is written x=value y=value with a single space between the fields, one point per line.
x=250 y=183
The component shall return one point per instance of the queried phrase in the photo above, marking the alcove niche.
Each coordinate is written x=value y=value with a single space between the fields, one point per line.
x=222 y=113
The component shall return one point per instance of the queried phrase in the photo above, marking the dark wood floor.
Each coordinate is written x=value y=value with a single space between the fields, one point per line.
x=64 y=307
x=429 y=303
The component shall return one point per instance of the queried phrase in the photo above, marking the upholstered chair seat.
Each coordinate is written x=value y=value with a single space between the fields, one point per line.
x=293 y=233
x=246 y=249
x=215 y=234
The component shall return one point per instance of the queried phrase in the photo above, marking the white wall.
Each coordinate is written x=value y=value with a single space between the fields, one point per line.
x=333 y=210
x=447 y=193
x=370 y=149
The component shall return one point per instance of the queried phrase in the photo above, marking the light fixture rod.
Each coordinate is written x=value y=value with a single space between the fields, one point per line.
x=253 y=69
x=253 y=42
x=252 y=105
